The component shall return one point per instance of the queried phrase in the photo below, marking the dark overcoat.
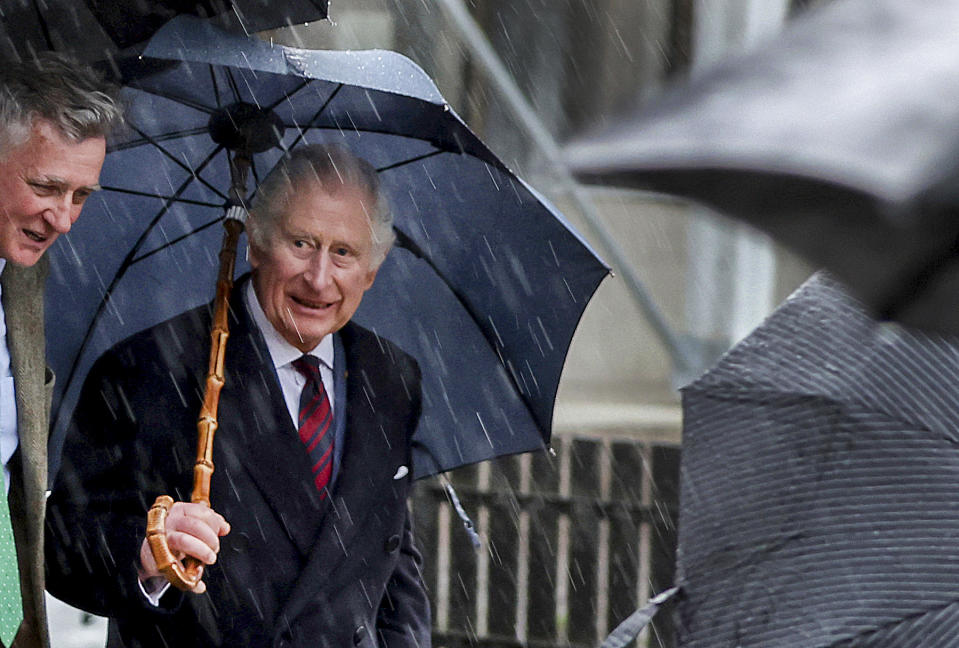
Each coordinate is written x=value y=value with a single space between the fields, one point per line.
x=295 y=570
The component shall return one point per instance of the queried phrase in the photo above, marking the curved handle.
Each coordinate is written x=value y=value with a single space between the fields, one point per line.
x=183 y=576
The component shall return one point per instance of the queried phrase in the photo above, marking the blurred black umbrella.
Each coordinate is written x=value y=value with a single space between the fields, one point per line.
x=841 y=138
x=819 y=481
x=94 y=29
x=485 y=289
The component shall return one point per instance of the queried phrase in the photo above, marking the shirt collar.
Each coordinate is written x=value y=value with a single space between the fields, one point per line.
x=281 y=351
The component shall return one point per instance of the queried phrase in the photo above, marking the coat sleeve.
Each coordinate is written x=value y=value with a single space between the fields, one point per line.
x=403 y=619
x=96 y=514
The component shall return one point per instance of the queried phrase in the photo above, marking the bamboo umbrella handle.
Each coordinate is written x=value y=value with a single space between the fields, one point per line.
x=183 y=576
x=187 y=575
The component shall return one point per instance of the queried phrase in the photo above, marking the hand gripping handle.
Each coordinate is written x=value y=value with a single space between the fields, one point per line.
x=185 y=575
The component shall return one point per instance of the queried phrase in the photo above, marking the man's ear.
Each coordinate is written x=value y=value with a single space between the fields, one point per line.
x=252 y=255
x=370 y=277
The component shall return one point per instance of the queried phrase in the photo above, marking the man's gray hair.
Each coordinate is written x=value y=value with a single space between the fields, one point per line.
x=53 y=87
x=333 y=167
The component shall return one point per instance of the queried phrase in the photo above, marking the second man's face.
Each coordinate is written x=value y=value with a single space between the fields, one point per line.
x=312 y=274
x=43 y=185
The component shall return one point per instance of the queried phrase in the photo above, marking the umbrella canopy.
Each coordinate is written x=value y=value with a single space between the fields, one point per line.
x=93 y=29
x=818 y=484
x=840 y=138
x=485 y=290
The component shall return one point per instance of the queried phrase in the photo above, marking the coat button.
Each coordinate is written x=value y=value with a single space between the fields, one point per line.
x=392 y=544
x=358 y=635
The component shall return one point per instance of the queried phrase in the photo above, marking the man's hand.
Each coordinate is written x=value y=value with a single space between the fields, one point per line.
x=191 y=530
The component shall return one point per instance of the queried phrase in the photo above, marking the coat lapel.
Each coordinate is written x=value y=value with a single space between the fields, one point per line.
x=259 y=436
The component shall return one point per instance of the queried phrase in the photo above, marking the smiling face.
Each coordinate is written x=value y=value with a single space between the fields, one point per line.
x=43 y=185
x=311 y=274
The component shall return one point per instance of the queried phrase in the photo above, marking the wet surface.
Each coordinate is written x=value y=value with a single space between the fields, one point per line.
x=73 y=628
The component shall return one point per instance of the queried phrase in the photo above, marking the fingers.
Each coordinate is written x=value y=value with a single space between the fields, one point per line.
x=195 y=530
x=191 y=530
x=190 y=514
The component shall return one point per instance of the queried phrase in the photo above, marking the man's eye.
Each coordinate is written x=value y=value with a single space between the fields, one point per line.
x=43 y=189
x=341 y=251
x=80 y=197
x=299 y=243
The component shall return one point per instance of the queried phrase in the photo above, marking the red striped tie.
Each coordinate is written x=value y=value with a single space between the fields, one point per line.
x=315 y=421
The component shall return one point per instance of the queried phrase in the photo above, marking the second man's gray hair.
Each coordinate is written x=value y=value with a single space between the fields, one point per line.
x=69 y=95
x=332 y=166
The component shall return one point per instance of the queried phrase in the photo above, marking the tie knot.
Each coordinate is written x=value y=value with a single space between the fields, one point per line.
x=308 y=365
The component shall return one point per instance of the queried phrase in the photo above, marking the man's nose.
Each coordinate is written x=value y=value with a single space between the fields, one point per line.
x=320 y=272
x=62 y=215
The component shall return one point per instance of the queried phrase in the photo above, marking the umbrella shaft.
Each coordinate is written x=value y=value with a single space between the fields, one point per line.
x=207 y=423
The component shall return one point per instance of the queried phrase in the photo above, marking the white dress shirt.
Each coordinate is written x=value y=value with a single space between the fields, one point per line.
x=8 y=401
x=283 y=354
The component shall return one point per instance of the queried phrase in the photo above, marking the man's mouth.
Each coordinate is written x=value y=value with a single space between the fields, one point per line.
x=34 y=236
x=310 y=304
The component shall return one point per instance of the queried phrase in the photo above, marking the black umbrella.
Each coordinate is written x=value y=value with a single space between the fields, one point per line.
x=485 y=291
x=93 y=29
x=818 y=484
x=840 y=137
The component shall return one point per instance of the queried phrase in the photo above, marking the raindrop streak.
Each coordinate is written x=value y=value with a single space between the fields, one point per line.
x=376 y=112
x=293 y=323
x=549 y=342
x=553 y=250
x=532 y=375
x=429 y=177
x=489 y=247
x=449 y=408
x=566 y=283
x=495 y=332
x=533 y=335
x=491 y=176
x=520 y=272
x=485 y=431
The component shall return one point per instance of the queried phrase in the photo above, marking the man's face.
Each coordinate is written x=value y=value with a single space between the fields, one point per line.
x=43 y=185
x=314 y=270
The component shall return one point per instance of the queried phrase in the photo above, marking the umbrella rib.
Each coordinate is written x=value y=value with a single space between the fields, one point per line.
x=147 y=194
x=316 y=116
x=173 y=242
x=189 y=103
x=125 y=264
x=233 y=86
x=216 y=86
x=199 y=130
x=255 y=173
x=185 y=167
x=418 y=158
x=375 y=131
x=286 y=95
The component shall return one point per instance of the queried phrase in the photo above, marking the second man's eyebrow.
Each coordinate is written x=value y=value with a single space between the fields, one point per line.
x=61 y=182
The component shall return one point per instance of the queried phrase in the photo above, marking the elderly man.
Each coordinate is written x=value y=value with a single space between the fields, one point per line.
x=54 y=118
x=312 y=455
